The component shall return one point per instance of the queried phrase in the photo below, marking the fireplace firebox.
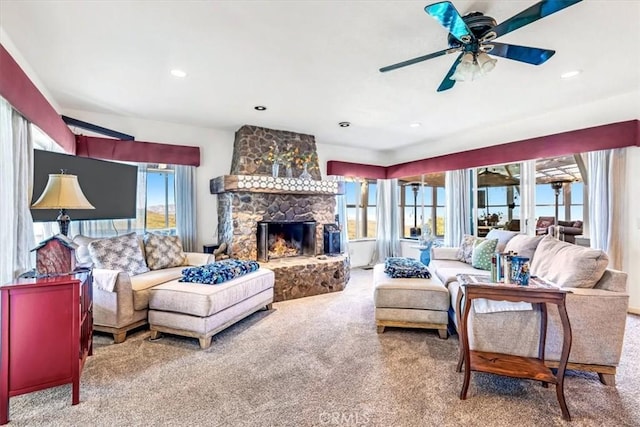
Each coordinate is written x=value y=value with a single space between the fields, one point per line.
x=280 y=239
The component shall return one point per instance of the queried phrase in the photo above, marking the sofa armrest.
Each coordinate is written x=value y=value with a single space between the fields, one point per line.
x=444 y=253
x=196 y=258
x=114 y=309
x=613 y=280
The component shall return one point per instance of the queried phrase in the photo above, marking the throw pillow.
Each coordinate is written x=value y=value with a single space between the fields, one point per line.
x=119 y=253
x=405 y=268
x=523 y=245
x=466 y=248
x=503 y=236
x=218 y=272
x=568 y=265
x=163 y=251
x=482 y=252
x=82 y=252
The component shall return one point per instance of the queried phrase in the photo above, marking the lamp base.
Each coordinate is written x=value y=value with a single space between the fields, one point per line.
x=63 y=221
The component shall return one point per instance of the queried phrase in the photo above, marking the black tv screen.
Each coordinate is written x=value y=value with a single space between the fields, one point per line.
x=110 y=187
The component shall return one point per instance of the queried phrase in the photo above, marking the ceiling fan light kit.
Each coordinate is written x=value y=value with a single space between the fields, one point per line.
x=472 y=37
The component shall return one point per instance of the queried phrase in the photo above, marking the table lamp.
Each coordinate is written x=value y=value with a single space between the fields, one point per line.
x=62 y=192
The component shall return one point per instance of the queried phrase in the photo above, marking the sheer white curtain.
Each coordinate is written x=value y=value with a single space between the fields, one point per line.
x=185 y=186
x=341 y=210
x=388 y=228
x=457 y=185
x=16 y=175
x=606 y=170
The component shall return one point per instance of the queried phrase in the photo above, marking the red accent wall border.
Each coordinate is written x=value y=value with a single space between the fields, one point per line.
x=136 y=151
x=614 y=135
x=24 y=96
x=335 y=167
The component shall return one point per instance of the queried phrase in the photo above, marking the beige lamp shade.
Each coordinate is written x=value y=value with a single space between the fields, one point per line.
x=62 y=192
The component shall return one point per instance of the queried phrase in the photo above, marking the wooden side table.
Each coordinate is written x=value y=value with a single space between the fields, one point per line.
x=47 y=335
x=509 y=365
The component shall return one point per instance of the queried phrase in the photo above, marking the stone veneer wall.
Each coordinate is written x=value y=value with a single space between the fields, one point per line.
x=240 y=212
x=252 y=143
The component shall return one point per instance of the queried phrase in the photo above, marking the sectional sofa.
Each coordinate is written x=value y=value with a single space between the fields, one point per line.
x=597 y=303
x=131 y=272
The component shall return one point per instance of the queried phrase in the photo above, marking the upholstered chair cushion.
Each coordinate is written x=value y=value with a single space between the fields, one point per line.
x=567 y=265
x=163 y=251
x=119 y=253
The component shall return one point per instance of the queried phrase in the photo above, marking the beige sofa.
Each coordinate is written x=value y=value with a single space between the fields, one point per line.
x=125 y=307
x=597 y=309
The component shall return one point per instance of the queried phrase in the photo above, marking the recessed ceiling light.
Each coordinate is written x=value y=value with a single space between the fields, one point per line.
x=415 y=125
x=178 y=73
x=344 y=124
x=260 y=107
x=570 y=74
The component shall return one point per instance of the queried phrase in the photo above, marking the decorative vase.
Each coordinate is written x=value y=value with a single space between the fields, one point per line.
x=275 y=169
x=305 y=173
x=289 y=171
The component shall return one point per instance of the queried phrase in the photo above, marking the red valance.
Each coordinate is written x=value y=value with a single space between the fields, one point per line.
x=356 y=169
x=25 y=97
x=614 y=135
x=136 y=151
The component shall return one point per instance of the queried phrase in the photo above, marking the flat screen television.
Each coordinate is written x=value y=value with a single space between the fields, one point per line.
x=109 y=186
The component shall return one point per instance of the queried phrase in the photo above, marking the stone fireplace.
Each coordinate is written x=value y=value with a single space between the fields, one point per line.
x=278 y=220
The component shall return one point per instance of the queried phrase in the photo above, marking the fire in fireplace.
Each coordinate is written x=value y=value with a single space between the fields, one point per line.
x=279 y=239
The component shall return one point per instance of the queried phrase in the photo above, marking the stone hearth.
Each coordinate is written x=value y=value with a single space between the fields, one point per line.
x=304 y=277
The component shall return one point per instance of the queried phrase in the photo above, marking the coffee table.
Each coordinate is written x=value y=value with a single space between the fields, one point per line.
x=538 y=293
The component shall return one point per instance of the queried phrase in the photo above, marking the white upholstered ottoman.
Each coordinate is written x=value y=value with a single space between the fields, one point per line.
x=410 y=303
x=201 y=311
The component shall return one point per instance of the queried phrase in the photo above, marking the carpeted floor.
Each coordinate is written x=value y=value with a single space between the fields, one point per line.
x=318 y=361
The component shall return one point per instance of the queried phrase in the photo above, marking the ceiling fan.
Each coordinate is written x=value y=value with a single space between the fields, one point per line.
x=473 y=36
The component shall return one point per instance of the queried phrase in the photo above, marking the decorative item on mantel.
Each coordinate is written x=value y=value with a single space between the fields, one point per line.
x=273 y=157
x=304 y=160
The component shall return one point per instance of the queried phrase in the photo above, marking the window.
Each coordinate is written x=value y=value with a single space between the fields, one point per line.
x=160 y=201
x=361 y=197
x=422 y=205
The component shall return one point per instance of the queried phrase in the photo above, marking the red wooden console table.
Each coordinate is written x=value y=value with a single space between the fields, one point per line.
x=47 y=334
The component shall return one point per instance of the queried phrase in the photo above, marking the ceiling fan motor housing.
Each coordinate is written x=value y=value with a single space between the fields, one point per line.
x=478 y=24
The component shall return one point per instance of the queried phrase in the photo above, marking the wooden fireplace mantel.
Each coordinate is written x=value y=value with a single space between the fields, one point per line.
x=268 y=184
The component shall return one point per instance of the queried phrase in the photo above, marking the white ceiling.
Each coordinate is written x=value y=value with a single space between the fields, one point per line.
x=315 y=63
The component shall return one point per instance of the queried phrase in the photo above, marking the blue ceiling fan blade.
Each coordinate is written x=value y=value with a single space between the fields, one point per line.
x=529 y=15
x=530 y=55
x=447 y=15
x=416 y=60
x=447 y=83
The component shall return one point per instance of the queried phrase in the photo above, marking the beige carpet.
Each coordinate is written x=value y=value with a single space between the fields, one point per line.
x=318 y=361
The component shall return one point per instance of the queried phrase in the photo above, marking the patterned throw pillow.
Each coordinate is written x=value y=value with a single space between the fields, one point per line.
x=482 y=252
x=466 y=247
x=218 y=272
x=119 y=253
x=163 y=251
x=405 y=268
